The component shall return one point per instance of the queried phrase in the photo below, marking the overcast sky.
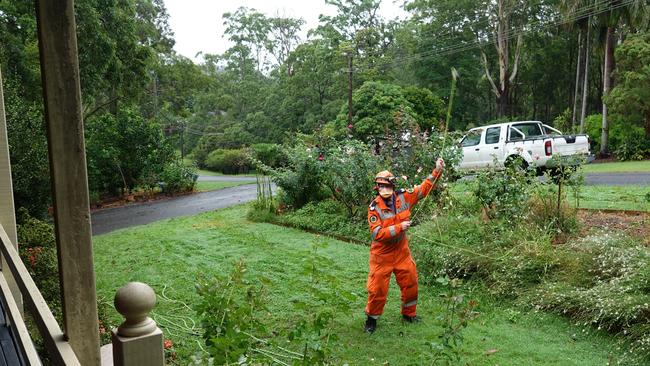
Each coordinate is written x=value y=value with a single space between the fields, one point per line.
x=198 y=26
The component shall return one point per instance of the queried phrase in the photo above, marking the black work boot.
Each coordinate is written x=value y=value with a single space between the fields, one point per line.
x=411 y=319
x=371 y=325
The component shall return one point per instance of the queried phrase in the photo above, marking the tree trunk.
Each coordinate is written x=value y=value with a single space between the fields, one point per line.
x=607 y=79
x=585 y=83
x=577 y=84
x=647 y=124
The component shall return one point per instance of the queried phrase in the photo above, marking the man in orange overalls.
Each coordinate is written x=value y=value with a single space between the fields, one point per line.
x=389 y=219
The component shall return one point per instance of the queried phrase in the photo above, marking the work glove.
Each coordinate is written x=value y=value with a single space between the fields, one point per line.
x=406 y=224
x=440 y=164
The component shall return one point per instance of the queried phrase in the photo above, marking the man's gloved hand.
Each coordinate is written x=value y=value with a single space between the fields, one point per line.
x=406 y=224
x=440 y=164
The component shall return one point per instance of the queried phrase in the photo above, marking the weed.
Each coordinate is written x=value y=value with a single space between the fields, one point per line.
x=325 y=291
x=456 y=317
x=229 y=309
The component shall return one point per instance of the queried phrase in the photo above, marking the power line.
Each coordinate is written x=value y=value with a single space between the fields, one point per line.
x=487 y=21
x=510 y=34
x=444 y=51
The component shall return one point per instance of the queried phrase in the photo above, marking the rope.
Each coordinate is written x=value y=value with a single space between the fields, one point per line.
x=454 y=77
x=439 y=242
x=454 y=74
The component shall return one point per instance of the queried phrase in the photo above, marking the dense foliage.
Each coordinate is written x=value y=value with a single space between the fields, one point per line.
x=37 y=249
x=271 y=83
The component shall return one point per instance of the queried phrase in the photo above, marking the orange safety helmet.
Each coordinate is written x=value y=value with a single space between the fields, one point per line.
x=385 y=177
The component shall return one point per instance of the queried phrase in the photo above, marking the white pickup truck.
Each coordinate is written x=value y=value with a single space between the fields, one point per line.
x=524 y=143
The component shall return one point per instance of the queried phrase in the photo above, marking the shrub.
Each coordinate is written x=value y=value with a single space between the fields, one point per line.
x=610 y=290
x=547 y=214
x=269 y=154
x=506 y=256
x=205 y=146
x=124 y=150
x=229 y=161
x=177 y=177
x=329 y=217
x=348 y=171
x=301 y=180
x=228 y=308
x=562 y=121
x=503 y=195
x=416 y=157
x=633 y=144
x=627 y=141
x=37 y=249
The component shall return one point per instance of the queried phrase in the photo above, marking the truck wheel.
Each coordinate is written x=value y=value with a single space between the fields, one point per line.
x=565 y=173
x=517 y=163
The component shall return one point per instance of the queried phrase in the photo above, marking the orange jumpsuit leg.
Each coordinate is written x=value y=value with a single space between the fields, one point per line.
x=407 y=278
x=378 y=281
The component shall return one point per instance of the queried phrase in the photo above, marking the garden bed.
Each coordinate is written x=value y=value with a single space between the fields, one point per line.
x=527 y=264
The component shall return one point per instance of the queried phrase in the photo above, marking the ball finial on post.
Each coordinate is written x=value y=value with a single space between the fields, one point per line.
x=134 y=301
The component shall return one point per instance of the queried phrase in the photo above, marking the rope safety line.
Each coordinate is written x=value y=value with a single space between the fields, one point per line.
x=454 y=74
x=461 y=248
x=454 y=77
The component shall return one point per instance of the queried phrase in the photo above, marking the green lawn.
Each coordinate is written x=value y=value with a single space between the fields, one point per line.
x=595 y=197
x=213 y=186
x=612 y=197
x=210 y=173
x=168 y=255
x=618 y=167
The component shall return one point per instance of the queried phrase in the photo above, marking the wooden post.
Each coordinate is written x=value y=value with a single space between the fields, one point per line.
x=138 y=341
x=7 y=214
x=65 y=135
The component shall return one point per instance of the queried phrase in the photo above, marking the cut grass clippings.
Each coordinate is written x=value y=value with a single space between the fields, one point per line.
x=169 y=254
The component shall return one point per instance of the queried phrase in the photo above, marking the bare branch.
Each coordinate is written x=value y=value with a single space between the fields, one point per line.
x=517 y=53
x=487 y=74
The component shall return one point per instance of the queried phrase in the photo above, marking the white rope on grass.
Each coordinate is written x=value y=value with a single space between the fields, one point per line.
x=270 y=356
x=464 y=249
x=282 y=348
x=173 y=300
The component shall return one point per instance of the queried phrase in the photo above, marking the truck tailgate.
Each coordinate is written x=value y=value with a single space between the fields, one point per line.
x=570 y=145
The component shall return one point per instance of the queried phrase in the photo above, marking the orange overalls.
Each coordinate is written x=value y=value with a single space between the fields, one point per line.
x=390 y=251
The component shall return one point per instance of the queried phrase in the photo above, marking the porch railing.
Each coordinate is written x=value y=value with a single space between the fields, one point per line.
x=58 y=348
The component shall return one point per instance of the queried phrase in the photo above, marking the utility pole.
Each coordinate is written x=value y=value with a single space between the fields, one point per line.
x=349 y=89
x=182 y=144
